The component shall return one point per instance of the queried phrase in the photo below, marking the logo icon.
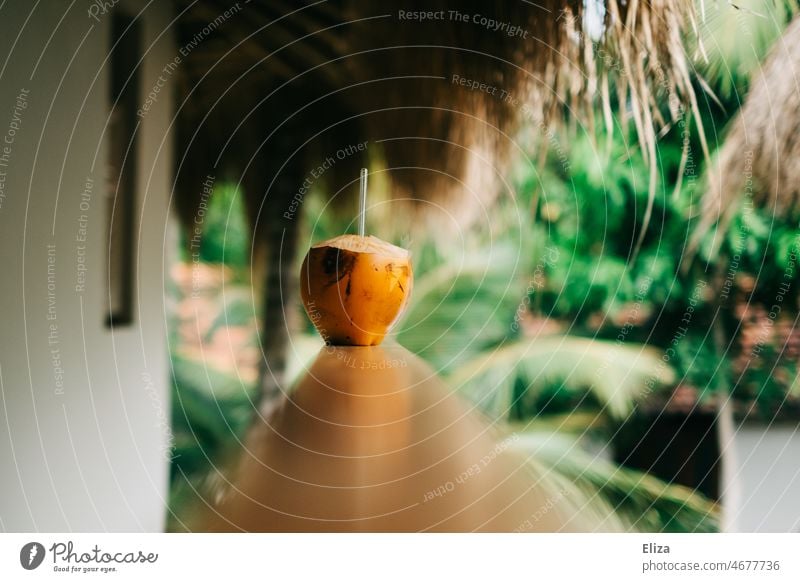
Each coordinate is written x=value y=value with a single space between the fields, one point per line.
x=31 y=555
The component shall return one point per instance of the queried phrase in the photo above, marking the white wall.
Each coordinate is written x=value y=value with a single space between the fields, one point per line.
x=92 y=455
x=768 y=479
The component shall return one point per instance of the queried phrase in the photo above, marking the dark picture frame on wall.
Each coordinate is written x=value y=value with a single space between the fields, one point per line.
x=122 y=165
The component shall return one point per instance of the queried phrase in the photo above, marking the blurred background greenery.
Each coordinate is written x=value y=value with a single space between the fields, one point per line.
x=561 y=328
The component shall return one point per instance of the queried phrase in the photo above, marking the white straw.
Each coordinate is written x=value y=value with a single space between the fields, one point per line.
x=362 y=210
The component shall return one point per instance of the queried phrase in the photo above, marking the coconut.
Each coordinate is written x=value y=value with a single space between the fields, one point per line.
x=354 y=288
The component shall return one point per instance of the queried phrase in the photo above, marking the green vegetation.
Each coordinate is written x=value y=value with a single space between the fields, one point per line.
x=562 y=328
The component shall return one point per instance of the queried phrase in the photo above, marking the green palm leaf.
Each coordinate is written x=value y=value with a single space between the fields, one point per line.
x=464 y=305
x=734 y=38
x=616 y=374
x=628 y=498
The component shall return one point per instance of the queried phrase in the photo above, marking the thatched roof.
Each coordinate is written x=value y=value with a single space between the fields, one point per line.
x=758 y=159
x=304 y=82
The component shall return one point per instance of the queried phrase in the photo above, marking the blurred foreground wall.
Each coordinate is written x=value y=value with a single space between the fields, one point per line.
x=85 y=432
x=768 y=476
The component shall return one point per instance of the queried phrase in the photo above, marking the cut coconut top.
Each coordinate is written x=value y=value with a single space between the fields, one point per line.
x=364 y=244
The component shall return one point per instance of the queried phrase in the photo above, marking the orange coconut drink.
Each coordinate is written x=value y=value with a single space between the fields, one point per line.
x=369 y=438
x=355 y=287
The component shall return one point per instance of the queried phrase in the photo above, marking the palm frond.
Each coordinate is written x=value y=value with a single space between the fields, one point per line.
x=463 y=306
x=616 y=374
x=638 y=501
x=734 y=37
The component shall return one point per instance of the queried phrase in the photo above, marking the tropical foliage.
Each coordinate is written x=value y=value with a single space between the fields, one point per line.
x=580 y=307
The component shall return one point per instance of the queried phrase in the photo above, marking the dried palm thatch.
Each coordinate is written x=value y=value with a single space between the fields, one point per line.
x=757 y=159
x=378 y=75
x=272 y=92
